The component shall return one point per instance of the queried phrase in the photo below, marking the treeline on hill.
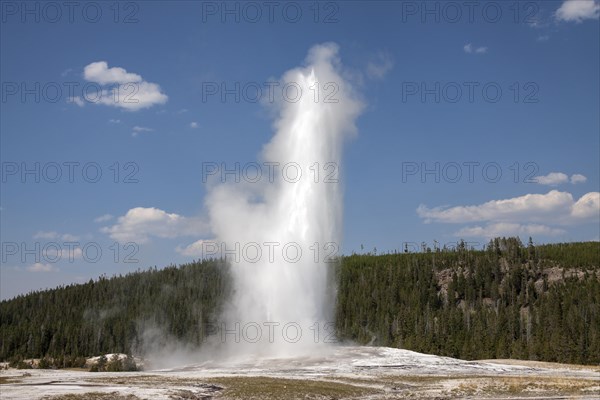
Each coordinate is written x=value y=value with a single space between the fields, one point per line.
x=507 y=301
x=124 y=314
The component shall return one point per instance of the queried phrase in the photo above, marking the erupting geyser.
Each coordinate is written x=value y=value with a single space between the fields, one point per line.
x=280 y=297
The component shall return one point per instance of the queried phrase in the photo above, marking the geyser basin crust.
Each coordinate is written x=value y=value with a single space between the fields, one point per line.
x=344 y=373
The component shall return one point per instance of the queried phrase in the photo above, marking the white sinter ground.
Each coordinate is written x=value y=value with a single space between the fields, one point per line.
x=382 y=372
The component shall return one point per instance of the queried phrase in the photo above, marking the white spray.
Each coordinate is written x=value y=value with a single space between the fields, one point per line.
x=288 y=227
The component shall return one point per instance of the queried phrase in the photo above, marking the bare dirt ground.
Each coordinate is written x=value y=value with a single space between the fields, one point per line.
x=344 y=373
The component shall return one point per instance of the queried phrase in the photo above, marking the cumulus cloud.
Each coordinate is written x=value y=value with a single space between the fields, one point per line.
x=41 y=267
x=558 y=178
x=140 y=129
x=587 y=207
x=508 y=229
x=578 y=10
x=103 y=218
x=193 y=125
x=199 y=248
x=140 y=224
x=69 y=238
x=62 y=253
x=122 y=89
x=133 y=96
x=578 y=178
x=552 y=179
x=51 y=235
x=58 y=246
x=537 y=21
x=76 y=100
x=379 y=68
x=100 y=73
x=469 y=49
x=558 y=207
x=45 y=235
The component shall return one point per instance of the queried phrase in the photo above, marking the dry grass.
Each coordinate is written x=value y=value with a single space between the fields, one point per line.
x=524 y=386
x=339 y=387
x=260 y=387
x=8 y=379
x=475 y=386
x=381 y=385
x=146 y=380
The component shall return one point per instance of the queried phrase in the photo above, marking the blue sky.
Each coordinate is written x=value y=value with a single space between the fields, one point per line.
x=503 y=87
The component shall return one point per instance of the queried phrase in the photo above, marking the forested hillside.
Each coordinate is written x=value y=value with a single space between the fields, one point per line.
x=510 y=300
x=123 y=314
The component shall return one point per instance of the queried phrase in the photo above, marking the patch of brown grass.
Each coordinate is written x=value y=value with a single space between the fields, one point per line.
x=8 y=379
x=521 y=386
x=260 y=387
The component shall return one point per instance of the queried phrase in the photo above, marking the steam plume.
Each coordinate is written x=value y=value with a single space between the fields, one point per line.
x=285 y=215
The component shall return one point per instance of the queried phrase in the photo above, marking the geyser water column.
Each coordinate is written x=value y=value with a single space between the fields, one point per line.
x=290 y=225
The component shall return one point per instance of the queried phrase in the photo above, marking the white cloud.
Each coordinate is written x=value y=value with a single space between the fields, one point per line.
x=182 y=111
x=133 y=96
x=193 y=125
x=57 y=247
x=508 y=229
x=552 y=179
x=558 y=207
x=578 y=178
x=65 y=253
x=76 y=100
x=543 y=38
x=578 y=10
x=69 y=238
x=51 y=235
x=45 y=235
x=536 y=22
x=469 y=49
x=378 y=68
x=126 y=90
x=40 y=267
x=140 y=224
x=558 y=178
x=114 y=121
x=100 y=73
x=199 y=248
x=140 y=129
x=103 y=218
x=587 y=207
